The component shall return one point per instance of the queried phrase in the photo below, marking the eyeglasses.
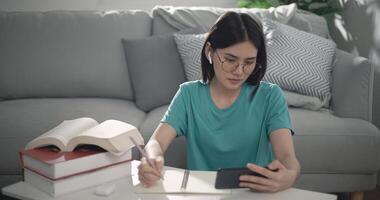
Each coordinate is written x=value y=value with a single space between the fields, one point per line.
x=230 y=65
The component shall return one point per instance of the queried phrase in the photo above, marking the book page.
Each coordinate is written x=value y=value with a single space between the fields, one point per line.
x=111 y=135
x=203 y=182
x=198 y=182
x=108 y=129
x=63 y=132
x=171 y=183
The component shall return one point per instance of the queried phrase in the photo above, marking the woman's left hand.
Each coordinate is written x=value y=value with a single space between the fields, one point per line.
x=276 y=181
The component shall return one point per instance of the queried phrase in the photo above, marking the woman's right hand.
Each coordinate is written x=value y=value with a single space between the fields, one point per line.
x=149 y=175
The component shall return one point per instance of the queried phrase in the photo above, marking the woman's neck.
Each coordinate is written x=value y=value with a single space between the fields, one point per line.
x=220 y=91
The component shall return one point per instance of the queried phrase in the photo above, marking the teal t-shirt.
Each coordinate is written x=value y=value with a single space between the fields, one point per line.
x=229 y=137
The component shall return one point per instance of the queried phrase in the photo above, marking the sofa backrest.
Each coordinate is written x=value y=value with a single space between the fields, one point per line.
x=67 y=53
x=161 y=27
x=169 y=19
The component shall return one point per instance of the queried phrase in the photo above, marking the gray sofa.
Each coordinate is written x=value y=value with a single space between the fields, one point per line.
x=61 y=65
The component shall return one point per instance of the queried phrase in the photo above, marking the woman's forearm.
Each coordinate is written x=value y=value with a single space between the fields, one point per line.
x=153 y=148
x=160 y=140
x=291 y=163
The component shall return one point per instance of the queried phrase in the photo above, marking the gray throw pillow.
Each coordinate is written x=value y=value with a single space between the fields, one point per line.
x=155 y=69
x=189 y=47
x=298 y=61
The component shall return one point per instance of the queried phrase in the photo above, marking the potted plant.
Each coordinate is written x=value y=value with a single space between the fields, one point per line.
x=319 y=7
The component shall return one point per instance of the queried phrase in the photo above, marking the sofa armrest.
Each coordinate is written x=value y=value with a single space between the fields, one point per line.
x=352 y=86
x=376 y=98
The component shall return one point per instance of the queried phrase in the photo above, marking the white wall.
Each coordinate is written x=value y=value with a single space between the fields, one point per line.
x=147 y=5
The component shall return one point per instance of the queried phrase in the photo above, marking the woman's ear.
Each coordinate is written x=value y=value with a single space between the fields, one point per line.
x=209 y=58
x=208 y=52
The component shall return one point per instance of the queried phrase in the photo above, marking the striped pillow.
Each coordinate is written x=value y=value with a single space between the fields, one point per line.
x=298 y=61
x=189 y=48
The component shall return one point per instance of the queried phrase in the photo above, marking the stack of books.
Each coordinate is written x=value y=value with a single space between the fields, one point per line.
x=79 y=153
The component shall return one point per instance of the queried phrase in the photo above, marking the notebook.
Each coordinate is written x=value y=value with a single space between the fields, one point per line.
x=182 y=181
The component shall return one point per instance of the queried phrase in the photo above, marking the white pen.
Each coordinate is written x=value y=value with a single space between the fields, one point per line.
x=143 y=153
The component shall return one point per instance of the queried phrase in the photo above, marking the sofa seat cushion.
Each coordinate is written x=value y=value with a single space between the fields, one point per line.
x=152 y=120
x=324 y=143
x=24 y=119
x=328 y=144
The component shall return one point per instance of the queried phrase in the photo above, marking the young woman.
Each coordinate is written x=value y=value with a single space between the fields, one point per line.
x=230 y=118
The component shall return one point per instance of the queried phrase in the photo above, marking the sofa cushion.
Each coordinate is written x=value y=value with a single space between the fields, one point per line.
x=190 y=49
x=161 y=27
x=22 y=120
x=336 y=183
x=328 y=144
x=152 y=120
x=298 y=61
x=155 y=69
x=317 y=24
x=67 y=53
x=324 y=143
x=353 y=86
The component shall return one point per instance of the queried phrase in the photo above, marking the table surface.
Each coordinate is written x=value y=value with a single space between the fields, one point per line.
x=124 y=190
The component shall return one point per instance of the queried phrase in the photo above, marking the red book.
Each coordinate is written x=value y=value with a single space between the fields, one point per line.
x=54 y=164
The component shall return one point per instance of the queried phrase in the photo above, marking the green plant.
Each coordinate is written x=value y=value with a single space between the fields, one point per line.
x=319 y=7
x=254 y=4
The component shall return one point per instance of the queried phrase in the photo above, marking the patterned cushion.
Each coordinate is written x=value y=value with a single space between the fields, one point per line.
x=189 y=47
x=298 y=61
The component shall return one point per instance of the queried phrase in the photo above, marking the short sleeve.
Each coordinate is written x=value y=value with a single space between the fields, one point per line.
x=278 y=114
x=176 y=115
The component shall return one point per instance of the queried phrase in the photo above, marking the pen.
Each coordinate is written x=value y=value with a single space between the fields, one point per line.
x=143 y=153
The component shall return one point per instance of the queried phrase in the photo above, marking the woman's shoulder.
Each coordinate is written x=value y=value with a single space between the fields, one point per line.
x=269 y=88
x=192 y=85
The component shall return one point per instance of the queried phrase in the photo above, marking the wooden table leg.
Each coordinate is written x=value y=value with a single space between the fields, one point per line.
x=356 y=195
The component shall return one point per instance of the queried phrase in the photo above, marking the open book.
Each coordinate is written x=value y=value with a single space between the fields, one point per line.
x=177 y=180
x=111 y=135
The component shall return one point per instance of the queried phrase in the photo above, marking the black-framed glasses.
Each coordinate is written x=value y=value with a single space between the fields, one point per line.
x=230 y=65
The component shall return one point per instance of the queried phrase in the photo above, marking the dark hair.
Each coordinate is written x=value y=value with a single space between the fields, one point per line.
x=232 y=28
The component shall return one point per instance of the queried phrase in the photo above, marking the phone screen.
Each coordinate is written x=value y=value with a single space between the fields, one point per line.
x=229 y=177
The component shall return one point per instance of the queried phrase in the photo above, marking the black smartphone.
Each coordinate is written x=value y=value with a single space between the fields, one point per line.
x=229 y=177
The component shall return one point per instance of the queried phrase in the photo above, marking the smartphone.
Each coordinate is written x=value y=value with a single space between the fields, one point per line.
x=229 y=177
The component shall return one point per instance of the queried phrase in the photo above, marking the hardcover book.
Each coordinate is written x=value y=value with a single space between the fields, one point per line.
x=111 y=135
x=79 y=182
x=57 y=165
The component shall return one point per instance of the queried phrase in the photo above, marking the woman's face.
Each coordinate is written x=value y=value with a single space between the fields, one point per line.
x=234 y=64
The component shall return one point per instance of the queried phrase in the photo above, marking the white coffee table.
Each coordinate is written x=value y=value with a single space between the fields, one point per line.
x=124 y=190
